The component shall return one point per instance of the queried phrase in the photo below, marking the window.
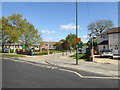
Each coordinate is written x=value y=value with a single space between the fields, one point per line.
x=115 y=35
x=104 y=47
x=103 y=37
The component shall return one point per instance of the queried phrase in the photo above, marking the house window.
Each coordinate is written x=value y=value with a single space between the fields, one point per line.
x=110 y=45
x=104 y=47
x=100 y=36
x=46 y=44
x=115 y=35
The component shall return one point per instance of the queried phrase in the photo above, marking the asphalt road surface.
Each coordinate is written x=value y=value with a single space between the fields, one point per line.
x=24 y=75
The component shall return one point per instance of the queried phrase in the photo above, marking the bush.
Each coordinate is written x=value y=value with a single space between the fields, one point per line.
x=42 y=53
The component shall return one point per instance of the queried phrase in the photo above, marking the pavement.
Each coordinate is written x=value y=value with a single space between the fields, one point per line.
x=103 y=68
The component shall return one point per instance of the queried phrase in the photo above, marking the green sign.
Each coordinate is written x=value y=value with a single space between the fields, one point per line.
x=23 y=47
x=79 y=45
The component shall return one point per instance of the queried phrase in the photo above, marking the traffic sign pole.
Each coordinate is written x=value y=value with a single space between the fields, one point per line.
x=76 y=36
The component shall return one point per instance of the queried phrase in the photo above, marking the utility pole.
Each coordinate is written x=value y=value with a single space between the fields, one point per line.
x=76 y=33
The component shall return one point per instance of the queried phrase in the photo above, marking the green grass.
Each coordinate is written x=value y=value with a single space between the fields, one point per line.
x=10 y=55
x=80 y=56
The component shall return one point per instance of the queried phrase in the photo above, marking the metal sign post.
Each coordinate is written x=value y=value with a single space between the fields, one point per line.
x=76 y=35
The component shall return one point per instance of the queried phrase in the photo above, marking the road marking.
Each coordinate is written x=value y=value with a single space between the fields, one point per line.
x=55 y=67
x=101 y=77
x=72 y=72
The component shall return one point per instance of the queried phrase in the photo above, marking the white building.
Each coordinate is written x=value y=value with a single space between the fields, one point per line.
x=110 y=39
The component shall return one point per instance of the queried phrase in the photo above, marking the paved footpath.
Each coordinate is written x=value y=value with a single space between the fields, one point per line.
x=65 y=61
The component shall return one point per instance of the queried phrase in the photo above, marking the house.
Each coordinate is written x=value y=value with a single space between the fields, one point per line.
x=45 y=45
x=109 y=39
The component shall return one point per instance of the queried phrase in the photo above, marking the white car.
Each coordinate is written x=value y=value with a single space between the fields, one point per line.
x=106 y=52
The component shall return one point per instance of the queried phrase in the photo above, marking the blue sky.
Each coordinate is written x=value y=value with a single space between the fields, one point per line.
x=55 y=20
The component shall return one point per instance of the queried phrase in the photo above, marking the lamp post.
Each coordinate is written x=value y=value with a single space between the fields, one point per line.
x=76 y=33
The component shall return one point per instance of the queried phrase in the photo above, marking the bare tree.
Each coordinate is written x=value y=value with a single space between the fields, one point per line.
x=99 y=26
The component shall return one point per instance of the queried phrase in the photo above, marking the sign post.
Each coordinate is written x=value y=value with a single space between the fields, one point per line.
x=77 y=42
x=76 y=35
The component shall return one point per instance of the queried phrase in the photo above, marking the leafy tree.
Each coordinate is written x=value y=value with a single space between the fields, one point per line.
x=99 y=26
x=30 y=35
x=84 y=44
x=58 y=46
x=62 y=40
x=92 y=41
x=65 y=45
x=3 y=27
x=70 y=39
x=14 y=29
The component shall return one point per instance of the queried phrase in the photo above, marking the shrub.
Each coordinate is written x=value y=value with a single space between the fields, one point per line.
x=42 y=53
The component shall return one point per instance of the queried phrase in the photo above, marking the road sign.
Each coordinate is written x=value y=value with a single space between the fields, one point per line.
x=77 y=40
x=79 y=45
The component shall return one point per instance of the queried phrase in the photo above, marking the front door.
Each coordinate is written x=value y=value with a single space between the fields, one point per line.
x=116 y=50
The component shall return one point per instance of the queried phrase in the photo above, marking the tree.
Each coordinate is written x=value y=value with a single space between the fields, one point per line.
x=58 y=46
x=89 y=43
x=15 y=29
x=4 y=26
x=65 y=45
x=62 y=40
x=70 y=39
x=99 y=26
x=30 y=35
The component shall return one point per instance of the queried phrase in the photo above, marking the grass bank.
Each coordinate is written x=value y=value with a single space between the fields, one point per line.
x=11 y=55
x=80 y=56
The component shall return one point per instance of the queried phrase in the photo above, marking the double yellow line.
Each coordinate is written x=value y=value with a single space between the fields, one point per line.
x=55 y=67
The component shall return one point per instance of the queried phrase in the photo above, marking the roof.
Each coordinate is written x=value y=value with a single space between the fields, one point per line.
x=111 y=31
x=49 y=42
x=105 y=42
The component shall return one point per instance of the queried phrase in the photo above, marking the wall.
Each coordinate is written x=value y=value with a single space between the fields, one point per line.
x=100 y=47
x=114 y=43
x=101 y=38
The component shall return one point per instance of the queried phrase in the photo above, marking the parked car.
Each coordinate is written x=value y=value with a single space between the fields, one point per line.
x=106 y=52
x=6 y=50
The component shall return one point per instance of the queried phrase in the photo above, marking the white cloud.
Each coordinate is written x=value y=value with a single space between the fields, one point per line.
x=47 y=32
x=48 y=39
x=68 y=27
x=85 y=37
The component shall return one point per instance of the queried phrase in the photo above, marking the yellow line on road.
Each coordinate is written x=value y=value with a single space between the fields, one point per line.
x=101 y=77
x=72 y=72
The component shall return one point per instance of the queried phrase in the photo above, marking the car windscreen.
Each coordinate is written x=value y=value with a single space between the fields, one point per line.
x=106 y=51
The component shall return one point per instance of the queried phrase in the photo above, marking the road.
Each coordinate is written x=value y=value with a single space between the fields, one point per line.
x=24 y=75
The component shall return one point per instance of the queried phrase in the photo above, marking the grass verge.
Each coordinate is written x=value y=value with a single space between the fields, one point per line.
x=80 y=56
x=10 y=55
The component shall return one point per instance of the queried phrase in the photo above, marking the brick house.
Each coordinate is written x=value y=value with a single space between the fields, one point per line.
x=50 y=44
